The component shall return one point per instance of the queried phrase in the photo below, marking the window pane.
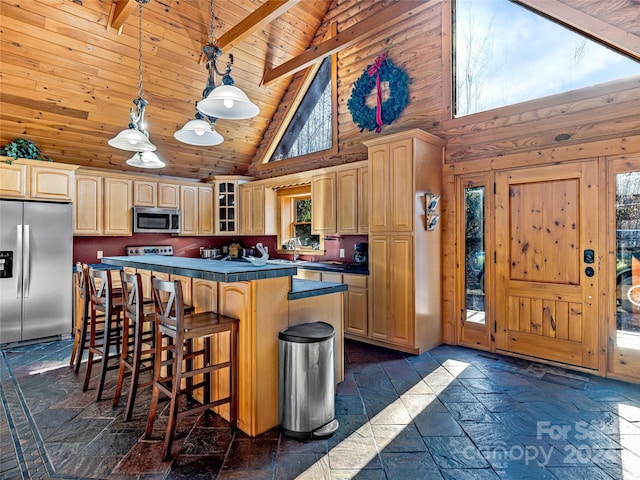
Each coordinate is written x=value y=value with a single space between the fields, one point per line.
x=474 y=254
x=307 y=240
x=506 y=54
x=303 y=210
x=628 y=259
x=311 y=129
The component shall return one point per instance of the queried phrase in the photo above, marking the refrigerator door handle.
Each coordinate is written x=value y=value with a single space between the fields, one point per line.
x=19 y=262
x=27 y=263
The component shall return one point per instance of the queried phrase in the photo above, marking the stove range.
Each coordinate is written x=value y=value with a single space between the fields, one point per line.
x=149 y=250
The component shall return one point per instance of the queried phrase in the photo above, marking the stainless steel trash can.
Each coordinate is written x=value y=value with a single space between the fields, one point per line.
x=306 y=381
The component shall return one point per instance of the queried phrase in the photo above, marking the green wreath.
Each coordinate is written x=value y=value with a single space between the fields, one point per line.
x=383 y=70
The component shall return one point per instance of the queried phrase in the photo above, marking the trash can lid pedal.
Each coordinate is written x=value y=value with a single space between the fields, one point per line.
x=307 y=333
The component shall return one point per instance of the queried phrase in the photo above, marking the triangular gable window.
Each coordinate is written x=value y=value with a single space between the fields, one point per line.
x=506 y=54
x=311 y=127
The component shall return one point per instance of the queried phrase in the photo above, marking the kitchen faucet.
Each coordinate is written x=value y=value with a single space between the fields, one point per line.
x=294 y=243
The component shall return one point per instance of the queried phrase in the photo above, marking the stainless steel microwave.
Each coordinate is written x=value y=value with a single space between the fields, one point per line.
x=156 y=220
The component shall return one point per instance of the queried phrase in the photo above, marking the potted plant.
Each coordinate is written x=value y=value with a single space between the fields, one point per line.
x=21 y=148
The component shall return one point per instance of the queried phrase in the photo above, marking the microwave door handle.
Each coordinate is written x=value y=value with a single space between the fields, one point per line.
x=27 y=263
x=19 y=262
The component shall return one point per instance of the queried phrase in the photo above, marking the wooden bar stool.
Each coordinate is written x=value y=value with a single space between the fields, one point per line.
x=104 y=333
x=138 y=339
x=80 y=330
x=176 y=350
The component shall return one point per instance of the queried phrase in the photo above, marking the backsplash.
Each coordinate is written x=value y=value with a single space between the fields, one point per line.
x=85 y=248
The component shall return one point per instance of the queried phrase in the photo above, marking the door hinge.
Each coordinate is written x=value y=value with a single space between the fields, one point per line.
x=495 y=326
x=495 y=258
x=494 y=188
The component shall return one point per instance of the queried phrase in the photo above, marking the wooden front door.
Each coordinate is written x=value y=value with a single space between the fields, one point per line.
x=547 y=263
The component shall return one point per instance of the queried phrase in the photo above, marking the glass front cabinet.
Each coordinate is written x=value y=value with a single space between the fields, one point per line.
x=226 y=201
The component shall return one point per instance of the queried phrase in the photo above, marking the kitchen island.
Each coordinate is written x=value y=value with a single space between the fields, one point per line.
x=267 y=300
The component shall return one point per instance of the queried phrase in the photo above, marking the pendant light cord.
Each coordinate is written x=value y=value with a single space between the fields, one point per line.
x=140 y=92
x=212 y=36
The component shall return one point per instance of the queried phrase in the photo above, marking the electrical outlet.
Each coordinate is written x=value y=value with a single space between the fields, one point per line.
x=99 y=254
x=342 y=253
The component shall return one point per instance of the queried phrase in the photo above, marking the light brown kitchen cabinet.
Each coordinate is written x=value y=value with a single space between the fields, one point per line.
x=204 y=295
x=13 y=180
x=52 y=182
x=168 y=195
x=323 y=204
x=88 y=207
x=117 y=206
x=404 y=257
x=38 y=180
x=356 y=305
x=257 y=209
x=145 y=193
x=392 y=289
x=347 y=205
x=226 y=200
x=355 y=298
x=363 y=200
x=189 y=209
x=205 y=210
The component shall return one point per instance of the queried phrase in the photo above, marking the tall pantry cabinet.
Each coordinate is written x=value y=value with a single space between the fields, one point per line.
x=404 y=257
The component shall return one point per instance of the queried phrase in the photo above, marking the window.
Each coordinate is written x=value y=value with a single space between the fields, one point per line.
x=506 y=54
x=295 y=219
x=311 y=128
x=474 y=242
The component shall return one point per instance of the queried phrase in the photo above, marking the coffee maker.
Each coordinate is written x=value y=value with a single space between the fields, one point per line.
x=360 y=253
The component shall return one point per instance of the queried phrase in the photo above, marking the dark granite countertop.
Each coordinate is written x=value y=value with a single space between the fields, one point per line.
x=215 y=270
x=301 y=288
x=328 y=266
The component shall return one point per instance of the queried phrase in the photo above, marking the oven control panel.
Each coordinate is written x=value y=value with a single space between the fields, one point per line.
x=150 y=250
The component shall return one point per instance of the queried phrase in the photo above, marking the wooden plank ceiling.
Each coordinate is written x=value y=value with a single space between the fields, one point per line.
x=69 y=78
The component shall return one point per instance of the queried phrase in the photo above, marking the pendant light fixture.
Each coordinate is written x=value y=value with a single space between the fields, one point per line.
x=136 y=138
x=145 y=160
x=224 y=101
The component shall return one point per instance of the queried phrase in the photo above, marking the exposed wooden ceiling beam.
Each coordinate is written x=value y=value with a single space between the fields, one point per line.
x=606 y=33
x=392 y=14
x=268 y=11
x=121 y=12
x=264 y=14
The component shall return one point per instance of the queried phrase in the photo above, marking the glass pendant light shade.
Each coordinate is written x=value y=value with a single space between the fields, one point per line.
x=198 y=132
x=228 y=102
x=132 y=140
x=145 y=160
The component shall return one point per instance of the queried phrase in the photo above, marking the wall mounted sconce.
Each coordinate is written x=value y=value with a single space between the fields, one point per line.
x=430 y=216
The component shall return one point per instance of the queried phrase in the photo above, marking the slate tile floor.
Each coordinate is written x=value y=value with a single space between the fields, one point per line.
x=452 y=413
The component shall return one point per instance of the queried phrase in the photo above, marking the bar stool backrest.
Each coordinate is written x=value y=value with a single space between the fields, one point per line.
x=170 y=312
x=100 y=288
x=131 y=293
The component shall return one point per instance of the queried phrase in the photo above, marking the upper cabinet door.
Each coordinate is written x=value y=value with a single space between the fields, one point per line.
x=189 y=207
x=145 y=193
x=347 y=207
x=323 y=204
x=392 y=191
x=88 y=205
x=13 y=180
x=117 y=206
x=168 y=195
x=205 y=211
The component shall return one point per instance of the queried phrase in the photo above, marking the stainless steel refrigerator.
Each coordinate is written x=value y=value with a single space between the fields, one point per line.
x=36 y=279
